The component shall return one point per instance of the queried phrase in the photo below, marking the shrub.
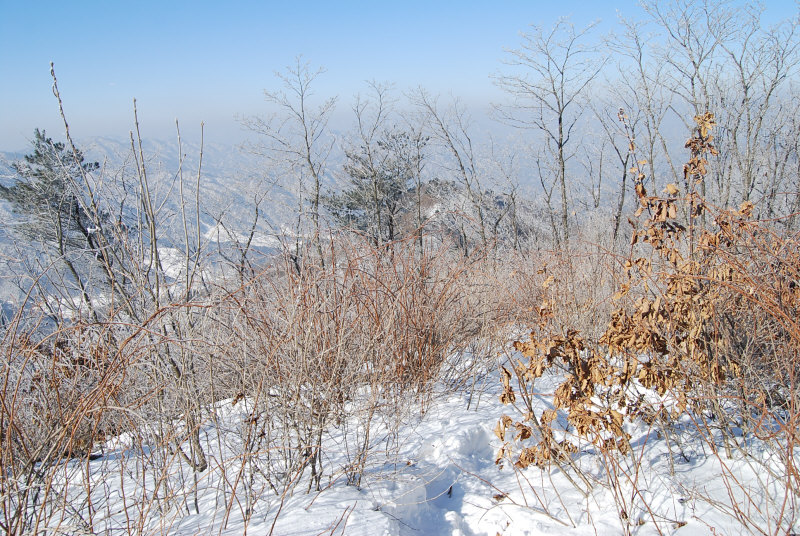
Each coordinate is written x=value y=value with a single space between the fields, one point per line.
x=707 y=323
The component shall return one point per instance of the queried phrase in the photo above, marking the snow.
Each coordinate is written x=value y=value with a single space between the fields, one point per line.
x=434 y=474
x=216 y=233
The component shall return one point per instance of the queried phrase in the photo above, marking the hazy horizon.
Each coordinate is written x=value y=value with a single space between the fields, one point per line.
x=208 y=62
x=205 y=62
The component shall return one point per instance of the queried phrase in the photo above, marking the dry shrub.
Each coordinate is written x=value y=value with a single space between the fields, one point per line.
x=708 y=323
x=330 y=353
x=68 y=388
x=54 y=403
x=347 y=343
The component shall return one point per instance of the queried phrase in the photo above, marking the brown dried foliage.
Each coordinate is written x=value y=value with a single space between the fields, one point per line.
x=707 y=320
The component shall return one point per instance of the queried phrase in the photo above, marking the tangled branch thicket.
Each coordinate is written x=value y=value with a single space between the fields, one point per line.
x=348 y=346
x=151 y=369
x=701 y=342
x=704 y=332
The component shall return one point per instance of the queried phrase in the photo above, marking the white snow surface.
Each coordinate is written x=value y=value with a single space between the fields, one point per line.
x=437 y=475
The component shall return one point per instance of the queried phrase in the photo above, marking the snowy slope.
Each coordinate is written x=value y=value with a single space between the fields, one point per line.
x=437 y=475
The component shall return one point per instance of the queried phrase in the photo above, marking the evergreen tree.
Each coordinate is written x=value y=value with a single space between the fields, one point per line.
x=47 y=198
x=380 y=181
x=54 y=218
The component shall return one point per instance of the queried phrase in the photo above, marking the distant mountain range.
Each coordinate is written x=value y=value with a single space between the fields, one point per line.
x=230 y=177
x=230 y=180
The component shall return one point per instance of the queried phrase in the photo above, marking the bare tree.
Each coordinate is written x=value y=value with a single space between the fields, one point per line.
x=642 y=93
x=553 y=71
x=506 y=165
x=619 y=132
x=366 y=162
x=720 y=57
x=414 y=152
x=298 y=141
x=761 y=61
x=450 y=128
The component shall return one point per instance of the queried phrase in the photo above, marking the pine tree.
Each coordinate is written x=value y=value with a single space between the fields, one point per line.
x=52 y=213
x=381 y=180
x=47 y=200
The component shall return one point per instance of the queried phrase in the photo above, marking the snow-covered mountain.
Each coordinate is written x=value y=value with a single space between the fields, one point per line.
x=230 y=180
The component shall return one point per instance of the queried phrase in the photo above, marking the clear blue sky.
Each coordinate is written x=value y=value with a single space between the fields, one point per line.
x=211 y=61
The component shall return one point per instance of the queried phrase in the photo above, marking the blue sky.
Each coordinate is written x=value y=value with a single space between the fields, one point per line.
x=211 y=61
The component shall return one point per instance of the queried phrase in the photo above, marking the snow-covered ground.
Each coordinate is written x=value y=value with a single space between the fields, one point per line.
x=435 y=473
